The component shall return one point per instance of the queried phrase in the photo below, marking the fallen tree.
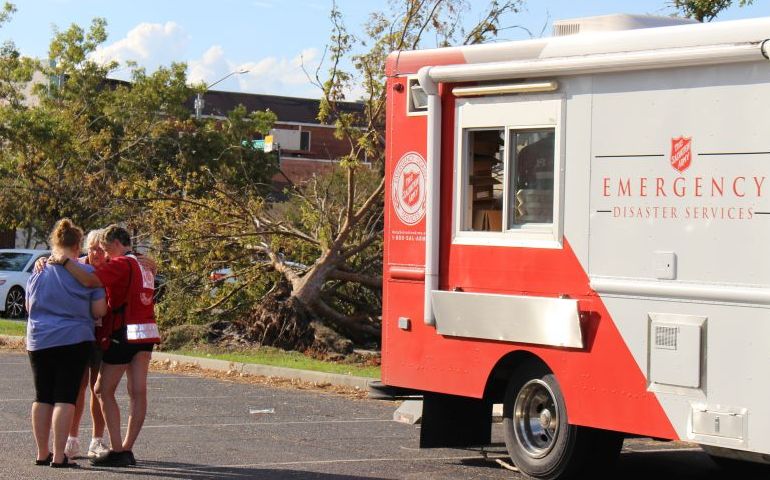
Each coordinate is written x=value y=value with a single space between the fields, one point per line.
x=315 y=258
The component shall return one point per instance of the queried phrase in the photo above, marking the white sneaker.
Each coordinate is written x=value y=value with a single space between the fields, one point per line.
x=72 y=448
x=97 y=448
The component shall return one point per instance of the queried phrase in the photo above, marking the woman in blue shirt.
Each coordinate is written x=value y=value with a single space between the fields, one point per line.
x=60 y=333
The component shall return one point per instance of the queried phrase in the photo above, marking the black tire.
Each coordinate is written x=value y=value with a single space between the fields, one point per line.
x=539 y=438
x=15 y=303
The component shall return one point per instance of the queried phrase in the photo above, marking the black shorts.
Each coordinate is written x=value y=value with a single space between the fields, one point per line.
x=95 y=358
x=121 y=353
x=58 y=371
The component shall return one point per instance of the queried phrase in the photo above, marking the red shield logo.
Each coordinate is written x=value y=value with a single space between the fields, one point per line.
x=681 y=153
x=411 y=189
x=408 y=188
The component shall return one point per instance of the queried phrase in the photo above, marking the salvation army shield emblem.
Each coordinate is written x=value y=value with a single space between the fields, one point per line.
x=408 y=188
x=681 y=153
x=411 y=188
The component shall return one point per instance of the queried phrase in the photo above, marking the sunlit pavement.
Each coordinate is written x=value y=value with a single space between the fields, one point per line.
x=202 y=428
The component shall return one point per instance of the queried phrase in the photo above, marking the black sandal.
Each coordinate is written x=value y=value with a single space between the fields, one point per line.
x=46 y=461
x=65 y=464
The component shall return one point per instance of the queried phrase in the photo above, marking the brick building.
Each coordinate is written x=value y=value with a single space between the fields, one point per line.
x=306 y=146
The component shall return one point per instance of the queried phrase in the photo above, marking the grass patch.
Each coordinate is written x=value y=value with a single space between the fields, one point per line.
x=262 y=356
x=280 y=358
x=13 y=327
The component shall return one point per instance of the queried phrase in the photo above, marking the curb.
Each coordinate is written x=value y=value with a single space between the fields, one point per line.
x=361 y=383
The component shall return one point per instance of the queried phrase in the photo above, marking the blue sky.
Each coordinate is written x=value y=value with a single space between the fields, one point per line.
x=270 y=38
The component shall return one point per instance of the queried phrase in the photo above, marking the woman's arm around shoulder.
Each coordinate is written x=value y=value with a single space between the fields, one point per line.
x=85 y=277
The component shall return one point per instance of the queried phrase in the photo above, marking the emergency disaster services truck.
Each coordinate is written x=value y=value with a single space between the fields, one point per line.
x=578 y=227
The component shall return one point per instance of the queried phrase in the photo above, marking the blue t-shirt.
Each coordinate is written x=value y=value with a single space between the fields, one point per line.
x=59 y=308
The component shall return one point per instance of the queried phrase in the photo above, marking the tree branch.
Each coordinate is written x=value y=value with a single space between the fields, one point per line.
x=356 y=324
x=370 y=281
x=351 y=252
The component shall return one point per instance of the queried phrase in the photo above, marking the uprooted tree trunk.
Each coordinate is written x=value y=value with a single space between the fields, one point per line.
x=295 y=316
x=283 y=320
x=280 y=321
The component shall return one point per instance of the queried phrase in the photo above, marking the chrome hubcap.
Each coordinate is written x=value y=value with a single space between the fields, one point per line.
x=536 y=418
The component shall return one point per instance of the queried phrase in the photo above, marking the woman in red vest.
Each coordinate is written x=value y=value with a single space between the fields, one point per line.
x=127 y=342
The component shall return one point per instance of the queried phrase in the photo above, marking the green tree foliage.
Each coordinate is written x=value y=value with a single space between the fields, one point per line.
x=82 y=146
x=99 y=151
x=77 y=144
x=14 y=71
x=13 y=68
x=705 y=10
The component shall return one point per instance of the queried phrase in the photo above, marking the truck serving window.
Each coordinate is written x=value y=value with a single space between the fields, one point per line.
x=530 y=196
x=507 y=171
x=525 y=157
x=484 y=181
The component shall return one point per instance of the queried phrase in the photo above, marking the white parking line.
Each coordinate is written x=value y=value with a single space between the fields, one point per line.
x=155 y=399
x=244 y=424
x=203 y=469
x=662 y=450
x=152 y=399
x=259 y=424
x=359 y=460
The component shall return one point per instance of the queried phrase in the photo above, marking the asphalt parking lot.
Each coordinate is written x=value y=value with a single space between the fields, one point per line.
x=202 y=428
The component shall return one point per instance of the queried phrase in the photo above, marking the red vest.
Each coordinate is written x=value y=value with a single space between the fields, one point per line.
x=139 y=312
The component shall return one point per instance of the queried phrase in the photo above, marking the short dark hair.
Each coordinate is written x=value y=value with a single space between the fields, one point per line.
x=114 y=232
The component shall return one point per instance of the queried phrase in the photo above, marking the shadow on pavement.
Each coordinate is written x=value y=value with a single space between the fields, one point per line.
x=682 y=465
x=640 y=465
x=152 y=469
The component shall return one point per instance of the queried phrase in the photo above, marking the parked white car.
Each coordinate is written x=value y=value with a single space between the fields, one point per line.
x=15 y=268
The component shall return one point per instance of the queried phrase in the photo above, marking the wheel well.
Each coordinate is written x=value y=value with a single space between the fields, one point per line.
x=501 y=373
x=14 y=287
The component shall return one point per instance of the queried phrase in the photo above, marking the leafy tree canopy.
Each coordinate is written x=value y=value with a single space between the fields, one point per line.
x=80 y=145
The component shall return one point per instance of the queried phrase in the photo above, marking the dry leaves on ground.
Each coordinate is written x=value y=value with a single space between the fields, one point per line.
x=12 y=343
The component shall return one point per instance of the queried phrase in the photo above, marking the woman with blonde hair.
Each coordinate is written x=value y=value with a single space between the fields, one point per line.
x=95 y=257
x=60 y=336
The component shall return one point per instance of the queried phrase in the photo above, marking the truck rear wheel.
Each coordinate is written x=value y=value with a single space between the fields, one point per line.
x=539 y=438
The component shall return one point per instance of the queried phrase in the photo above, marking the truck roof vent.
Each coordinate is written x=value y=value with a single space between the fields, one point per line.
x=614 y=22
x=564 y=28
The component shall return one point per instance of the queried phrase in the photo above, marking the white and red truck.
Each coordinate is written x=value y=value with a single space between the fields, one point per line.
x=578 y=227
